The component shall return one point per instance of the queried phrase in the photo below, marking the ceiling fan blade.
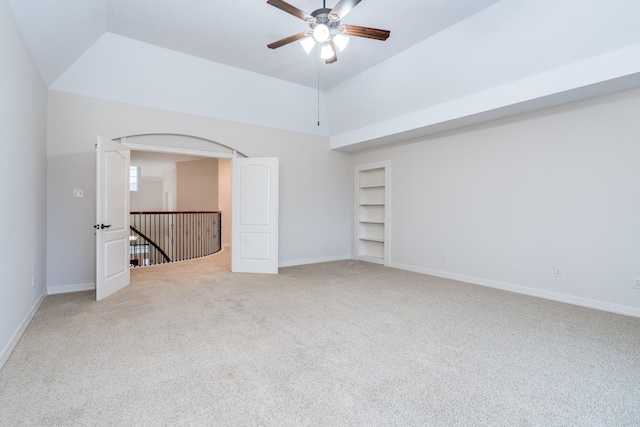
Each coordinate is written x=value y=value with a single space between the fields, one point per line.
x=343 y=7
x=287 y=40
x=334 y=58
x=367 y=32
x=283 y=5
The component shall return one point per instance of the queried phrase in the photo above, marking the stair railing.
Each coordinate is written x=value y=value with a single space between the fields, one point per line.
x=159 y=237
x=146 y=252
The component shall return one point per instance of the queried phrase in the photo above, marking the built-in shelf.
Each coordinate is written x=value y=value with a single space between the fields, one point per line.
x=371 y=227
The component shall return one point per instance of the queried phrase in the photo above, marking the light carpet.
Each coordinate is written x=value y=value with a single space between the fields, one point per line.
x=340 y=343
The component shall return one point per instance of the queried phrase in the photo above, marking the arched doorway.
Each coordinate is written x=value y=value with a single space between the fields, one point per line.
x=196 y=147
x=254 y=197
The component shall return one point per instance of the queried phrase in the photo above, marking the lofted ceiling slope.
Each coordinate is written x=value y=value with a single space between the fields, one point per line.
x=234 y=33
x=446 y=65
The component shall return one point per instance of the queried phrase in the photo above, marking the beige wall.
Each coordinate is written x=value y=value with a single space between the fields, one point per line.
x=224 y=199
x=148 y=197
x=197 y=184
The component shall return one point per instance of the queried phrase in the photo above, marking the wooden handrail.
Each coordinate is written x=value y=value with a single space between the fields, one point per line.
x=170 y=212
x=151 y=242
x=175 y=235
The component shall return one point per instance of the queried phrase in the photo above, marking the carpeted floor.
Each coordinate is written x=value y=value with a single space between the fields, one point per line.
x=342 y=343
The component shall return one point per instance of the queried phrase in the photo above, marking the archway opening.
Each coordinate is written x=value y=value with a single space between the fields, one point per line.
x=181 y=173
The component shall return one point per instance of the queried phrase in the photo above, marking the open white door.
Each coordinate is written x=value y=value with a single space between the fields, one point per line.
x=254 y=213
x=112 y=217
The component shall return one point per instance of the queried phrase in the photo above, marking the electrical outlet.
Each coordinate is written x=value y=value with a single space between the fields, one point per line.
x=636 y=282
x=557 y=272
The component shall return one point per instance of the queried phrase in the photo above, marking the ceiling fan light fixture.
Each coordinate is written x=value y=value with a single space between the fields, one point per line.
x=321 y=33
x=325 y=29
x=341 y=41
x=326 y=52
x=307 y=44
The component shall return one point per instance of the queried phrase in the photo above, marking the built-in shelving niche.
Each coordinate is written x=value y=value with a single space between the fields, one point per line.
x=371 y=227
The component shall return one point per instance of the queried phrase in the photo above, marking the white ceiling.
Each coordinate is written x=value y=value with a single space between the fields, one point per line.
x=447 y=64
x=155 y=164
x=230 y=32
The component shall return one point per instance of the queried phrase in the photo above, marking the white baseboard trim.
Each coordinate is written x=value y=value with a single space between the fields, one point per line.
x=525 y=290
x=66 y=289
x=313 y=261
x=13 y=341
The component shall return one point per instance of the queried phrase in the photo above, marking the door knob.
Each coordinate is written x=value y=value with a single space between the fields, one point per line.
x=102 y=226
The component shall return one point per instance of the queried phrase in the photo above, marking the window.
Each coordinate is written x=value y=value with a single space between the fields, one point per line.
x=134 y=173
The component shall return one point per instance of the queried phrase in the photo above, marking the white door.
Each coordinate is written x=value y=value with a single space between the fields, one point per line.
x=254 y=213
x=112 y=217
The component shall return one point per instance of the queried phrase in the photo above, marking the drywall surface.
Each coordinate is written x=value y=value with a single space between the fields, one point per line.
x=70 y=221
x=315 y=182
x=22 y=184
x=224 y=199
x=492 y=63
x=510 y=200
x=126 y=70
x=148 y=197
x=169 y=190
x=197 y=185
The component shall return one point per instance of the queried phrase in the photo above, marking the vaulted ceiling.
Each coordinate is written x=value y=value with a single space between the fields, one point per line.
x=231 y=32
x=446 y=64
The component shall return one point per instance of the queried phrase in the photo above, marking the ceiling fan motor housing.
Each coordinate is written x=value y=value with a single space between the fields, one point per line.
x=324 y=16
x=325 y=28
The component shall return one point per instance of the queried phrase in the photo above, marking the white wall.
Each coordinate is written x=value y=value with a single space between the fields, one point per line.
x=511 y=199
x=315 y=183
x=22 y=184
x=70 y=220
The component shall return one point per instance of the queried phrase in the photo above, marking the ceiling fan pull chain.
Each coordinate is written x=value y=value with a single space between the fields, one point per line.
x=318 y=61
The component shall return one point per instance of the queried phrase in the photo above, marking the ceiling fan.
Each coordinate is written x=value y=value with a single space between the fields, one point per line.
x=326 y=28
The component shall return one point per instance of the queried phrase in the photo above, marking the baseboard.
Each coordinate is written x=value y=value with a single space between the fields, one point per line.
x=525 y=290
x=66 y=289
x=313 y=260
x=13 y=341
